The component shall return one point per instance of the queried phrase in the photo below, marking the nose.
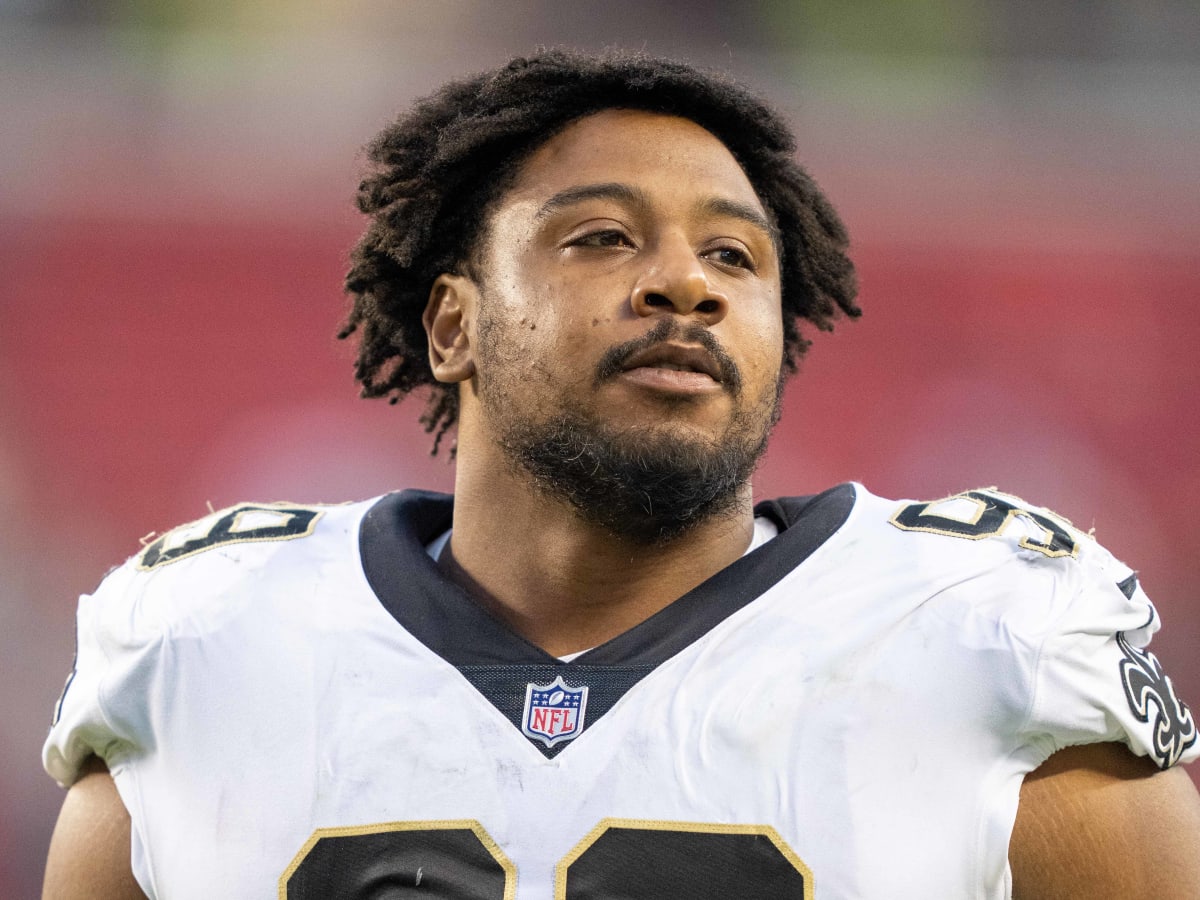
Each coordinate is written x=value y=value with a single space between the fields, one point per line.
x=675 y=280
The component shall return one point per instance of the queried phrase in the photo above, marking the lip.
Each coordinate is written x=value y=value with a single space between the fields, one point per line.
x=674 y=368
x=672 y=381
x=682 y=359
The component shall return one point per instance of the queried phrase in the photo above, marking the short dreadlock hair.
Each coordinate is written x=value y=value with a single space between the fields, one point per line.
x=439 y=169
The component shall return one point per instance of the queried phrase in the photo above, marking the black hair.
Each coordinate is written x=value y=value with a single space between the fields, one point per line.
x=438 y=170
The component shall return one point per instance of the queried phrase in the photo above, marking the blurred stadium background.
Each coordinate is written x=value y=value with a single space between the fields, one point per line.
x=1022 y=181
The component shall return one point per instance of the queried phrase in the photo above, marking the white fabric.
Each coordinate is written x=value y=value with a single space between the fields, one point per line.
x=878 y=708
x=764 y=530
x=438 y=544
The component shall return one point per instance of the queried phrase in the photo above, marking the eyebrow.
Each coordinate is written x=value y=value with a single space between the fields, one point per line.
x=635 y=197
x=735 y=209
x=611 y=190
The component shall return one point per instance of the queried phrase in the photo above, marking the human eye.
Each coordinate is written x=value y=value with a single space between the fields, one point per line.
x=729 y=256
x=602 y=237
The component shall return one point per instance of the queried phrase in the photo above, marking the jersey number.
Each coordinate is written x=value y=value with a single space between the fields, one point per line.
x=620 y=858
x=243 y=524
x=988 y=517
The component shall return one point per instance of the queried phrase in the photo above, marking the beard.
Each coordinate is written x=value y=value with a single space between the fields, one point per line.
x=646 y=483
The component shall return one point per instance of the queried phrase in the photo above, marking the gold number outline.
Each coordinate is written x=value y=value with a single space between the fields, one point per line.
x=226 y=528
x=489 y=844
x=1051 y=524
x=562 y=867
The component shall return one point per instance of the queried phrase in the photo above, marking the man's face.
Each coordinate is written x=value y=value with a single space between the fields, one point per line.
x=629 y=304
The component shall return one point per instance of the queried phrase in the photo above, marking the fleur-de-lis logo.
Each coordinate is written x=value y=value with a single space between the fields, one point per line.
x=1151 y=694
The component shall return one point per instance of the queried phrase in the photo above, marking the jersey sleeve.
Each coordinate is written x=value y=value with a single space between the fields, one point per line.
x=101 y=711
x=125 y=687
x=1095 y=678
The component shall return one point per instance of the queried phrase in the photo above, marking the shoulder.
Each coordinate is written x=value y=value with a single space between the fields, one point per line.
x=1002 y=562
x=981 y=560
x=207 y=596
x=983 y=536
x=993 y=527
x=988 y=517
x=1023 y=575
x=241 y=524
x=211 y=561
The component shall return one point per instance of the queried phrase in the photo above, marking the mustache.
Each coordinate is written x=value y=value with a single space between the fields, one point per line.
x=612 y=363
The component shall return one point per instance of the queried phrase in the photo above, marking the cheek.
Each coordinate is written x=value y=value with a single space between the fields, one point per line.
x=530 y=341
x=764 y=346
x=566 y=317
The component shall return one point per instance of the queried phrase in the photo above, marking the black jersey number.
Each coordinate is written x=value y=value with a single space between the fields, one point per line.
x=620 y=858
x=638 y=860
x=990 y=515
x=236 y=525
x=451 y=860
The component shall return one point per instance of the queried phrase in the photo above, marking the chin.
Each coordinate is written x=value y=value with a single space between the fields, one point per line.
x=645 y=482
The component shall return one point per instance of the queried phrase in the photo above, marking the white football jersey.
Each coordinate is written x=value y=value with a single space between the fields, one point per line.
x=294 y=703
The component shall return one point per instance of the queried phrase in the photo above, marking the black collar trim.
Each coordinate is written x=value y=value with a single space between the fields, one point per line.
x=444 y=618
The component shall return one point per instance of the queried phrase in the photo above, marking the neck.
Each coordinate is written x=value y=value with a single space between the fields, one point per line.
x=562 y=582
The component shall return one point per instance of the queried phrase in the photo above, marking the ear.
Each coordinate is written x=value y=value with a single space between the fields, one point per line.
x=453 y=300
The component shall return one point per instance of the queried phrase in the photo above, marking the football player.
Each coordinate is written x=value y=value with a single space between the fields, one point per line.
x=599 y=670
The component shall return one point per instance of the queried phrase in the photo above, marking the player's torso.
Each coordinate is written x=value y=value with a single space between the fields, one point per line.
x=836 y=737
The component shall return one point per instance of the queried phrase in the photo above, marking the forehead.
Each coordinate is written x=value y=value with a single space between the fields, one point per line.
x=660 y=153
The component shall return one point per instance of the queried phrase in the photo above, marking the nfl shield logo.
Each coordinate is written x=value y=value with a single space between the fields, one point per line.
x=553 y=712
